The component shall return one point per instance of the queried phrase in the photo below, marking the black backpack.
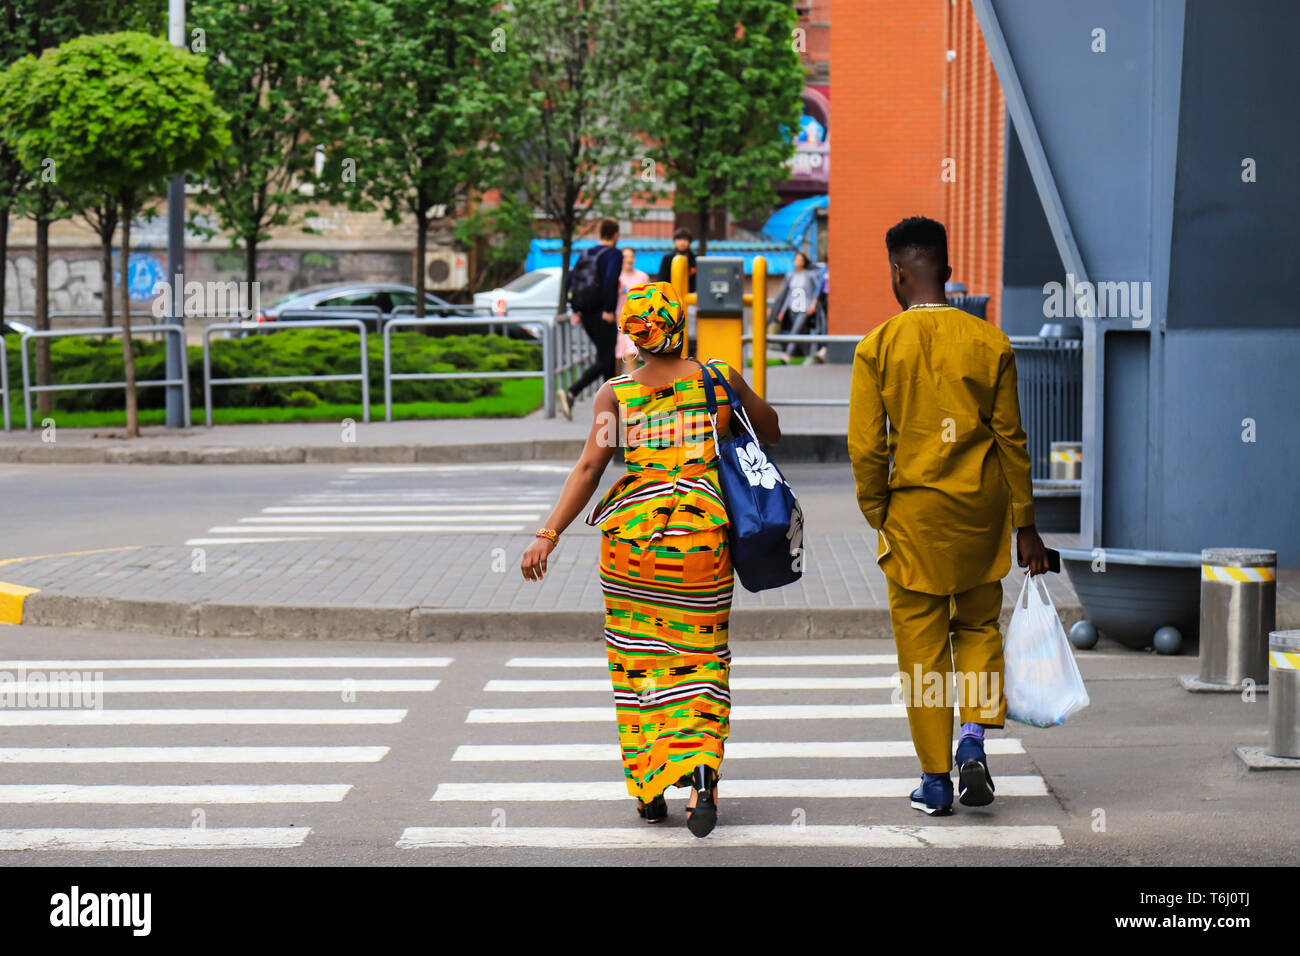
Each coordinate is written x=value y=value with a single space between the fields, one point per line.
x=585 y=293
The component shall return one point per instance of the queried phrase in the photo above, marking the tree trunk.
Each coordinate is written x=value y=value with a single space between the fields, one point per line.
x=44 y=371
x=128 y=355
x=4 y=256
x=106 y=269
x=421 y=246
x=704 y=229
x=250 y=260
x=566 y=253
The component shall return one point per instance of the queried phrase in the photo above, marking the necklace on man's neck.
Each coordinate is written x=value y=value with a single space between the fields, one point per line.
x=927 y=305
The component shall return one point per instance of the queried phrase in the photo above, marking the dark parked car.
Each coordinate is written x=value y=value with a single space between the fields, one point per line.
x=361 y=300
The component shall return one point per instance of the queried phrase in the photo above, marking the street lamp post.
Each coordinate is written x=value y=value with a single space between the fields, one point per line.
x=176 y=349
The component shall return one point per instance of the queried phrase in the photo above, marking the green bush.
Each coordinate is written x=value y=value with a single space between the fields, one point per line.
x=297 y=352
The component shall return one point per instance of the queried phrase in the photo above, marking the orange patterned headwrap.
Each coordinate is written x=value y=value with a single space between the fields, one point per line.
x=653 y=317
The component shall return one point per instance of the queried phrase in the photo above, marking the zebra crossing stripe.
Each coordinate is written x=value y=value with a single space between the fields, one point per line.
x=528 y=753
x=548 y=791
x=237 y=685
x=874 y=836
x=173 y=793
x=602 y=685
x=152 y=838
x=182 y=663
x=195 y=716
x=84 y=755
x=742 y=712
x=773 y=660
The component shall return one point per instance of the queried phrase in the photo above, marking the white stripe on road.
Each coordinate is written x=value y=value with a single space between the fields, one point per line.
x=1000 y=746
x=462 y=469
x=547 y=715
x=362 y=529
x=196 y=716
x=174 y=793
x=198 y=541
x=235 y=685
x=391 y=518
x=728 y=789
x=848 y=660
x=879 y=836
x=192 y=754
x=736 y=683
x=153 y=838
x=395 y=509
x=213 y=663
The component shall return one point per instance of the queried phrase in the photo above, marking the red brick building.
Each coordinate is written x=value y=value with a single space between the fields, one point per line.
x=919 y=131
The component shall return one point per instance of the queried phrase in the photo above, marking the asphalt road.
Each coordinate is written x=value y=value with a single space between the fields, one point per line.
x=474 y=771
x=51 y=509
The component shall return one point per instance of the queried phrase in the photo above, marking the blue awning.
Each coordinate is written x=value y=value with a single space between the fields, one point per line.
x=789 y=223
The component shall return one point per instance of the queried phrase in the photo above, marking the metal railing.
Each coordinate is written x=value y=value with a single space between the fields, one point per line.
x=29 y=388
x=1049 y=376
x=271 y=327
x=546 y=373
x=4 y=381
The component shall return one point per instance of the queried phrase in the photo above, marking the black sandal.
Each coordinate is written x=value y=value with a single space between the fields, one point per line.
x=703 y=817
x=656 y=811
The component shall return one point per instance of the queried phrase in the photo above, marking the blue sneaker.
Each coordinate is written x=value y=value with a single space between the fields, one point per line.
x=974 y=782
x=933 y=797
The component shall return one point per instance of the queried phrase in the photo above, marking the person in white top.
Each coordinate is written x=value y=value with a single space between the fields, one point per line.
x=631 y=276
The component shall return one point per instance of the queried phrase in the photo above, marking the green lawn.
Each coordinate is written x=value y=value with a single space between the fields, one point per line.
x=518 y=397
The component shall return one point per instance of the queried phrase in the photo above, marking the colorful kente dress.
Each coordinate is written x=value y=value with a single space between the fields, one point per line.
x=666 y=575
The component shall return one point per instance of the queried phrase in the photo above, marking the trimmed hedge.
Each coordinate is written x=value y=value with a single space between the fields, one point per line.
x=301 y=352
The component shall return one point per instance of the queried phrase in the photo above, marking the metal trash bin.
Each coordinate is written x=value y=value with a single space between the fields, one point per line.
x=1238 y=611
x=1067 y=461
x=1284 y=694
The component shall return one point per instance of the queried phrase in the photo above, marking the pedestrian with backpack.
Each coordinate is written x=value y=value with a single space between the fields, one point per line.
x=593 y=294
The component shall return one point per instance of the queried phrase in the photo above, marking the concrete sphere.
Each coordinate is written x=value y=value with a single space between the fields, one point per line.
x=1168 y=640
x=1083 y=634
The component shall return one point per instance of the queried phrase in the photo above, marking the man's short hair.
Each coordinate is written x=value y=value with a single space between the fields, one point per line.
x=608 y=228
x=683 y=233
x=921 y=236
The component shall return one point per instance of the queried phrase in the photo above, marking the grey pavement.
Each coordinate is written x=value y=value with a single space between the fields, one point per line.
x=813 y=434
x=300 y=755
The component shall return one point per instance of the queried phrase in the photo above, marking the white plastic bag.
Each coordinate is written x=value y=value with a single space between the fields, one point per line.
x=1043 y=683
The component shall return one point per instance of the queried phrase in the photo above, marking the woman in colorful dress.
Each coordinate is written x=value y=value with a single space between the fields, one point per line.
x=665 y=567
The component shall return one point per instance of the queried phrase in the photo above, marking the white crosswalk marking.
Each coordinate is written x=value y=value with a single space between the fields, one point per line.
x=613 y=838
x=558 y=774
x=797 y=749
x=133 y=779
x=377 y=501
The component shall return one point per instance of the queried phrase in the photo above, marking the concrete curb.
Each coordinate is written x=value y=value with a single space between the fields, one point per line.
x=792 y=448
x=428 y=624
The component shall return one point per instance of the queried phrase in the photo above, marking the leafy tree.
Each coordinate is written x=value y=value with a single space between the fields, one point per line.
x=270 y=64
x=580 y=145
x=722 y=99
x=432 y=88
x=118 y=114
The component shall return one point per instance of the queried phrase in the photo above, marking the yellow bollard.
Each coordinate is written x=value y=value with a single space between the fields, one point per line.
x=758 y=319
x=682 y=283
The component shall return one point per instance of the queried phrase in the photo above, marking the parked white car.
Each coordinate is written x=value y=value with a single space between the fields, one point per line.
x=534 y=293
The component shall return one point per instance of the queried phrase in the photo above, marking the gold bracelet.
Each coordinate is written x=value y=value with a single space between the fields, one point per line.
x=549 y=533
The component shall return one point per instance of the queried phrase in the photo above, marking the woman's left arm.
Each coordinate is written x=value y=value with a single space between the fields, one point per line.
x=582 y=481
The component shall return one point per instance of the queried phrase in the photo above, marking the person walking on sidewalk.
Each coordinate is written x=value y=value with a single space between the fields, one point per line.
x=798 y=308
x=665 y=564
x=593 y=295
x=625 y=350
x=935 y=388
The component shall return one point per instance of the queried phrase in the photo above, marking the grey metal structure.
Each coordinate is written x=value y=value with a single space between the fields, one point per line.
x=1238 y=612
x=208 y=381
x=546 y=373
x=4 y=381
x=1284 y=695
x=29 y=389
x=1162 y=172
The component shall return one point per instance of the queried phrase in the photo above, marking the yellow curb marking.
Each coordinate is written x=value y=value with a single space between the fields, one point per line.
x=12 y=595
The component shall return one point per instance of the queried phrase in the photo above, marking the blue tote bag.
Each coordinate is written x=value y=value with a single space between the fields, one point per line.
x=765 y=522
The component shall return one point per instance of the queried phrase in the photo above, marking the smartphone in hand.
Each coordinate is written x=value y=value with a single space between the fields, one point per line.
x=1053 y=560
